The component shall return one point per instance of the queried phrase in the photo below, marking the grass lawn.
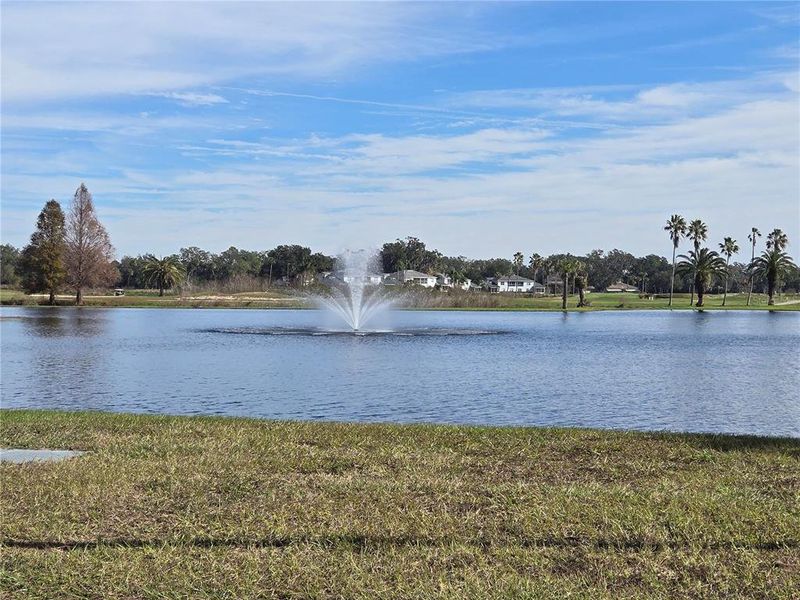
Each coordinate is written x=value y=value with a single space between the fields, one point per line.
x=150 y=299
x=606 y=301
x=175 y=507
x=433 y=301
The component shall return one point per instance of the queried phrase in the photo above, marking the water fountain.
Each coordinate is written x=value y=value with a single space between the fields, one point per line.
x=355 y=294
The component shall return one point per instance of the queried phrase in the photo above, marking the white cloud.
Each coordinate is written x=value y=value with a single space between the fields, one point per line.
x=73 y=49
x=194 y=98
x=627 y=103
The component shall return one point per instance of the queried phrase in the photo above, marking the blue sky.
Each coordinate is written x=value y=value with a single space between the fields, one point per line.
x=483 y=128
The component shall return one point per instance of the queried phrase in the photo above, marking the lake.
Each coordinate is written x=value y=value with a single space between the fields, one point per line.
x=733 y=372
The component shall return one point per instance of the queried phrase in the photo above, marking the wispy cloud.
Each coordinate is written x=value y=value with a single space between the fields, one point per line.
x=193 y=98
x=632 y=103
x=58 y=50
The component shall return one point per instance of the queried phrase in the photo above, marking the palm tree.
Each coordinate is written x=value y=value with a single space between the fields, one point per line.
x=166 y=272
x=548 y=267
x=567 y=267
x=728 y=247
x=581 y=279
x=519 y=257
x=772 y=265
x=535 y=264
x=754 y=235
x=698 y=233
x=777 y=239
x=676 y=226
x=704 y=265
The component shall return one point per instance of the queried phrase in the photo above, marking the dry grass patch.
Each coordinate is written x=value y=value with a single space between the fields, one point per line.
x=212 y=507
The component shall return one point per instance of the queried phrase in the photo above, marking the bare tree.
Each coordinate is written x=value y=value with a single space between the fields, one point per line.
x=89 y=250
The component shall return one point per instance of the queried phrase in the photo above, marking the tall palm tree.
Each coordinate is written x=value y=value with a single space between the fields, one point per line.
x=535 y=264
x=698 y=233
x=581 y=279
x=519 y=257
x=676 y=226
x=777 y=239
x=164 y=272
x=772 y=265
x=728 y=247
x=754 y=235
x=567 y=267
x=704 y=265
x=549 y=266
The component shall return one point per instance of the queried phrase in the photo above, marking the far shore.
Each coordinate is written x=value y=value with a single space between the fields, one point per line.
x=291 y=299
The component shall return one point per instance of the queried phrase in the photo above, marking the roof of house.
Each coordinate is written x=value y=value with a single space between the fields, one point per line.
x=622 y=286
x=412 y=274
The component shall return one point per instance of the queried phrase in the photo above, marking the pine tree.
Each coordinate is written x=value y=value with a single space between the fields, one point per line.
x=42 y=260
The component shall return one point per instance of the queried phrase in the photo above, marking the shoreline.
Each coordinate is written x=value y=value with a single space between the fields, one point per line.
x=427 y=301
x=572 y=309
x=667 y=433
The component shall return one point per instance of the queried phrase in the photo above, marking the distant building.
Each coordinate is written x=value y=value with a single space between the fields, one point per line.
x=410 y=277
x=445 y=281
x=337 y=277
x=620 y=287
x=514 y=283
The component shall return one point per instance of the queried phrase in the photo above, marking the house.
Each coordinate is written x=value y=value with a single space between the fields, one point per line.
x=620 y=287
x=337 y=277
x=410 y=277
x=445 y=281
x=514 y=283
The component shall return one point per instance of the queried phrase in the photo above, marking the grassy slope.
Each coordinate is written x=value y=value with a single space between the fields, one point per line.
x=281 y=299
x=229 y=508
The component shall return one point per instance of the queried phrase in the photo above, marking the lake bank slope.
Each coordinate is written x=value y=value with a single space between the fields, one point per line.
x=223 y=507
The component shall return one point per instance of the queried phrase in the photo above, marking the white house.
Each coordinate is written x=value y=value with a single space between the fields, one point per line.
x=620 y=287
x=337 y=277
x=514 y=283
x=410 y=277
x=445 y=281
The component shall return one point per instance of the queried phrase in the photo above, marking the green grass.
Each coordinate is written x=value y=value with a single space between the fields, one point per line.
x=627 y=301
x=174 y=507
x=432 y=301
x=149 y=299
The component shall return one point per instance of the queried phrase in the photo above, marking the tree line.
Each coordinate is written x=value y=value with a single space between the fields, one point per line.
x=286 y=263
x=73 y=251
